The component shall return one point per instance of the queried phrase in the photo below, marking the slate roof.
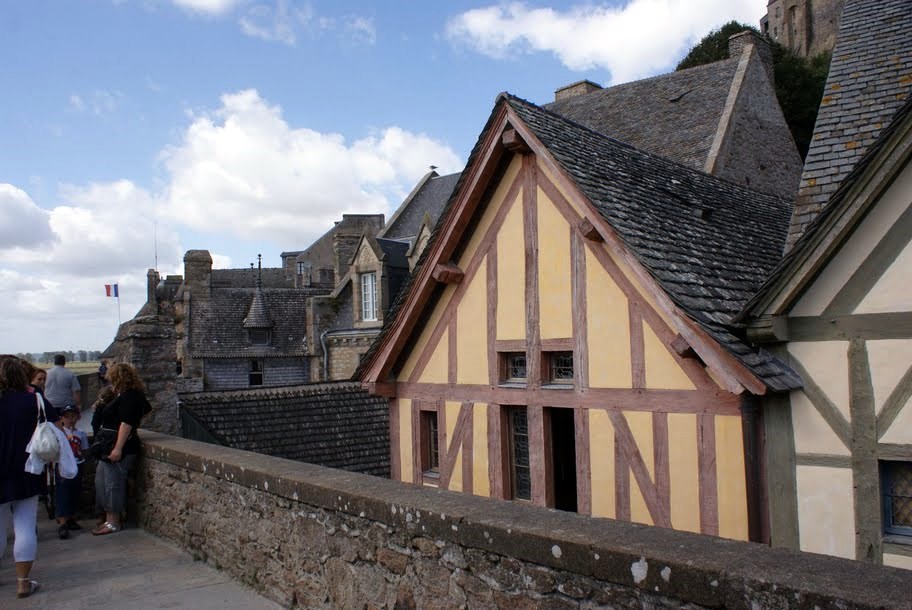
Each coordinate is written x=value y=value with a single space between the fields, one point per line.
x=431 y=198
x=273 y=277
x=675 y=115
x=807 y=239
x=394 y=251
x=709 y=243
x=217 y=324
x=333 y=424
x=870 y=77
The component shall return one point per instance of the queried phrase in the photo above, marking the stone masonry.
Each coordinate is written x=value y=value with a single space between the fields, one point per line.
x=313 y=537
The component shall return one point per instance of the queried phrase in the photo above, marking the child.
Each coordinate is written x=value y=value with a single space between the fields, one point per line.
x=69 y=490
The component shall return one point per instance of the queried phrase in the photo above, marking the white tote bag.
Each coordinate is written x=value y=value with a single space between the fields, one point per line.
x=44 y=444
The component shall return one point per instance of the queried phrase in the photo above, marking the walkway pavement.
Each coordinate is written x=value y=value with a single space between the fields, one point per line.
x=130 y=569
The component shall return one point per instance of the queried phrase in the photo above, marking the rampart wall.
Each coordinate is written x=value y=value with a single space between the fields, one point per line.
x=315 y=537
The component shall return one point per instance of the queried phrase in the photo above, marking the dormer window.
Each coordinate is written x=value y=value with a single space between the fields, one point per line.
x=369 y=296
x=258 y=336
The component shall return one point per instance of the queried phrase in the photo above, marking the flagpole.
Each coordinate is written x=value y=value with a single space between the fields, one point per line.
x=118 y=306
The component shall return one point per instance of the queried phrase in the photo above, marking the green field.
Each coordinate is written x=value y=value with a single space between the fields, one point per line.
x=78 y=368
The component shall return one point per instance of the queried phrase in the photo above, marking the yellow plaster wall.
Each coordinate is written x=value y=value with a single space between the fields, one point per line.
x=730 y=476
x=683 y=471
x=828 y=364
x=491 y=210
x=556 y=318
x=511 y=277
x=452 y=414
x=426 y=333
x=826 y=514
x=601 y=457
x=481 y=485
x=472 y=332
x=878 y=221
x=640 y=423
x=662 y=372
x=436 y=369
x=581 y=208
x=620 y=264
x=608 y=328
x=897 y=561
x=405 y=440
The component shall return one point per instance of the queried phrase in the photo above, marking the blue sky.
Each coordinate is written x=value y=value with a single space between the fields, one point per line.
x=246 y=126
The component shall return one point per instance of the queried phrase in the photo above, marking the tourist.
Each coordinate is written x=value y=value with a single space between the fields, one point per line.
x=68 y=491
x=39 y=379
x=103 y=372
x=19 y=490
x=119 y=419
x=62 y=387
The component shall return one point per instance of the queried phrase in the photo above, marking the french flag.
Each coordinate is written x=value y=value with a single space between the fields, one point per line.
x=111 y=290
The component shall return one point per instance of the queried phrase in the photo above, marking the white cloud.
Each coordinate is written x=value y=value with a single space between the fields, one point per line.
x=238 y=172
x=209 y=7
x=243 y=170
x=633 y=40
x=76 y=103
x=275 y=23
x=22 y=223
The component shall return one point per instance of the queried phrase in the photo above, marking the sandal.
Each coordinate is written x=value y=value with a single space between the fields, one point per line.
x=104 y=529
x=33 y=587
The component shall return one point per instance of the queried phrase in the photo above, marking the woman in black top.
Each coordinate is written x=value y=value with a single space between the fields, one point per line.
x=121 y=418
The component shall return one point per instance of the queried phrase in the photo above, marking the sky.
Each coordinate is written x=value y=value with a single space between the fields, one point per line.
x=134 y=130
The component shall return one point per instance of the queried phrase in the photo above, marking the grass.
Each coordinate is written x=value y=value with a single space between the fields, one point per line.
x=77 y=368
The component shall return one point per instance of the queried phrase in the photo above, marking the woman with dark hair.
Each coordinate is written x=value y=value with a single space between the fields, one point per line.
x=19 y=489
x=119 y=419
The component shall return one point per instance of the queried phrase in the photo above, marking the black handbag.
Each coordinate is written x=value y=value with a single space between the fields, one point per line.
x=103 y=444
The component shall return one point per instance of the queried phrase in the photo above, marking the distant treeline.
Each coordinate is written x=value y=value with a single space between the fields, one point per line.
x=48 y=357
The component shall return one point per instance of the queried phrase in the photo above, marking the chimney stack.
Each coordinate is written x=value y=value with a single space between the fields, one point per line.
x=574 y=89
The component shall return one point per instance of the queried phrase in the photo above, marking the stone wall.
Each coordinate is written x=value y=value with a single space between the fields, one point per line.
x=149 y=344
x=313 y=537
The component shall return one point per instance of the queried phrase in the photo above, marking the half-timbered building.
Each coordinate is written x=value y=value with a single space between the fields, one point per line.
x=839 y=309
x=562 y=340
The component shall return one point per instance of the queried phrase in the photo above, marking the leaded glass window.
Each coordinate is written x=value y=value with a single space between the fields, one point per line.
x=897 y=491
x=429 y=443
x=561 y=367
x=520 y=472
x=515 y=367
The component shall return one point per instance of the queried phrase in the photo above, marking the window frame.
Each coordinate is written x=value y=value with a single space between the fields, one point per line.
x=549 y=358
x=429 y=446
x=369 y=279
x=506 y=366
x=256 y=368
x=302 y=267
x=254 y=333
x=888 y=474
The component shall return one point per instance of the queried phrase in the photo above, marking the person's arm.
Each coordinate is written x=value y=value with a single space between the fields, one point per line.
x=123 y=433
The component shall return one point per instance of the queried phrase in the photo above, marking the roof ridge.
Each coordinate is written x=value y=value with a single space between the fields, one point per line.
x=509 y=96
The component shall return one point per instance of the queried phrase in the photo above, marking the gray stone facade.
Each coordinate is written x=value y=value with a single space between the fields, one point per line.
x=313 y=537
x=807 y=27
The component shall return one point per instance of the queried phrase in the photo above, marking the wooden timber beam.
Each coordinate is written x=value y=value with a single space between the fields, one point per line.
x=448 y=274
x=513 y=142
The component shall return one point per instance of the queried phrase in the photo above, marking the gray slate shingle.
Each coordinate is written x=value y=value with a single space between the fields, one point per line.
x=870 y=77
x=333 y=424
x=683 y=109
x=432 y=198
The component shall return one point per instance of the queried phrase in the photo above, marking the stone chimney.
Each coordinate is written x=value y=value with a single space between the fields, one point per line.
x=740 y=43
x=197 y=270
x=344 y=245
x=573 y=89
x=152 y=280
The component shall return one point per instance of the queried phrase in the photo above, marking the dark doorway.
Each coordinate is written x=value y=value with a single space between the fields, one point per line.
x=563 y=459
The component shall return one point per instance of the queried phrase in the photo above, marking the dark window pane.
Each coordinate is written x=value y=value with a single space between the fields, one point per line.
x=519 y=454
x=432 y=442
x=562 y=367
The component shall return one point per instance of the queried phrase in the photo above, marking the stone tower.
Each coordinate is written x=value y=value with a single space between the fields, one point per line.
x=807 y=27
